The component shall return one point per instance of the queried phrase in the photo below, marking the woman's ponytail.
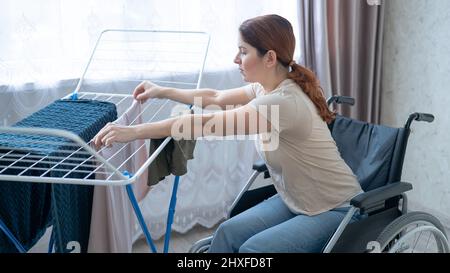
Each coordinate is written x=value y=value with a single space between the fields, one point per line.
x=308 y=81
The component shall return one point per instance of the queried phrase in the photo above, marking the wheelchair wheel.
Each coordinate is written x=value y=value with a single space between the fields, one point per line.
x=404 y=235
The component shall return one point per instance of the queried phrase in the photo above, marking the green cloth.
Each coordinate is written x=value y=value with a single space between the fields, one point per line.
x=171 y=160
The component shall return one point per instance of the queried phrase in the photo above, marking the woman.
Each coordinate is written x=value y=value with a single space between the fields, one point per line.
x=313 y=182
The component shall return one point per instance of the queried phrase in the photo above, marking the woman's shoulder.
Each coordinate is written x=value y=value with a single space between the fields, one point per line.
x=258 y=89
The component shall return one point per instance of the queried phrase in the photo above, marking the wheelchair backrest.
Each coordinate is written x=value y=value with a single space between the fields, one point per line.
x=375 y=153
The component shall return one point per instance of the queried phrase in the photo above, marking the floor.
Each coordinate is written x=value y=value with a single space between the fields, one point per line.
x=179 y=243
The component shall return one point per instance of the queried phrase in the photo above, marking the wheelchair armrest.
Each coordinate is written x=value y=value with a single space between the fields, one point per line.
x=260 y=166
x=372 y=199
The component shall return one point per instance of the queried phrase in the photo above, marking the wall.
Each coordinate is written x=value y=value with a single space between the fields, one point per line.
x=416 y=78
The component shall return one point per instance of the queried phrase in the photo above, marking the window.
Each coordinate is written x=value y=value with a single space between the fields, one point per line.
x=50 y=40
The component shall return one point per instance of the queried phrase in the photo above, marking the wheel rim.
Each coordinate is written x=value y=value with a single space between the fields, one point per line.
x=417 y=237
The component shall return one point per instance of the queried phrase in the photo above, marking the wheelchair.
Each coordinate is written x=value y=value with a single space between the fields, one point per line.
x=375 y=153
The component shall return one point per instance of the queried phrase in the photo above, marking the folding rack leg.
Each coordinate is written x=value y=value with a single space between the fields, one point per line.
x=11 y=237
x=173 y=202
x=138 y=213
x=51 y=243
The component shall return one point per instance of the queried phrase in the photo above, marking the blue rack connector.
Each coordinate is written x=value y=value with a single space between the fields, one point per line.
x=74 y=96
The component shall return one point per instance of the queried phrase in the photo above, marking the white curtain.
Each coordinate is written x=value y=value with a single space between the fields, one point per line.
x=44 y=46
x=49 y=40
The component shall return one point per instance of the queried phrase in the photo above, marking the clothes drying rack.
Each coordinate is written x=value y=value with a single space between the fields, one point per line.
x=125 y=56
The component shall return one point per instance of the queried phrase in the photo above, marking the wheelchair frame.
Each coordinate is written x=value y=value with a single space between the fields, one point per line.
x=365 y=202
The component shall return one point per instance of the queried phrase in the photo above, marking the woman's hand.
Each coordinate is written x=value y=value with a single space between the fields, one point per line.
x=114 y=133
x=146 y=90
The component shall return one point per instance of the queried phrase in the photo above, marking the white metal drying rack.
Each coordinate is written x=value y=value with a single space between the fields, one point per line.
x=80 y=153
x=114 y=177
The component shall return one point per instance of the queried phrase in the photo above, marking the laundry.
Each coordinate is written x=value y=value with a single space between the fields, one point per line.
x=29 y=208
x=113 y=219
x=172 y=159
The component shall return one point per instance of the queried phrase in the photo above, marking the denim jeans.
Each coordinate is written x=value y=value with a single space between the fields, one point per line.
x=270 y=227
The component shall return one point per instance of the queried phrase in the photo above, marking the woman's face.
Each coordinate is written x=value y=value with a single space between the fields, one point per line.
x=250 y=64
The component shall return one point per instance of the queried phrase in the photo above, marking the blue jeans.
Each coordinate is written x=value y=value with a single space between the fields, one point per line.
x=270 y=227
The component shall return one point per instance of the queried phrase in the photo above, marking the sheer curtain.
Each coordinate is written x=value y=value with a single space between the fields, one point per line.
x=44 y=46
x=314 y=40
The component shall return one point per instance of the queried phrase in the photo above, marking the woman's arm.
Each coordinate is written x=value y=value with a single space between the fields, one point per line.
x=244 y=120
x=225 y=99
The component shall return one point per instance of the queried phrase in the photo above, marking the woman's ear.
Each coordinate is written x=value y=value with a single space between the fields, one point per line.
x=270 y=58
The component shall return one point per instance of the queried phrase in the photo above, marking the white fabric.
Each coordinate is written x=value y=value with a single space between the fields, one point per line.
x=113 y=219
x=55 y=42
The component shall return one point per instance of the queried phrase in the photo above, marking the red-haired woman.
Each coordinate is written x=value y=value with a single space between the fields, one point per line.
x=285 y=104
